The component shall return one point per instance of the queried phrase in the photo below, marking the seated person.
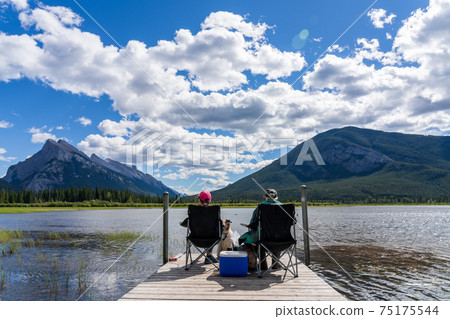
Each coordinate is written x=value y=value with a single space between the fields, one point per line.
x=251 y=237
x=205 y=199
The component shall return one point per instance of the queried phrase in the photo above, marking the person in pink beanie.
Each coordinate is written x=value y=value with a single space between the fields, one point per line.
x=205 y=199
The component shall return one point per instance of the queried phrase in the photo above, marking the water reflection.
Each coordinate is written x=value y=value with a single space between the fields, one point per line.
x=380 y=273
x=393 y=253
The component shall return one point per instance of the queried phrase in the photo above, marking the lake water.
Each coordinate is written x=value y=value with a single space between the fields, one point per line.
x=366 y=253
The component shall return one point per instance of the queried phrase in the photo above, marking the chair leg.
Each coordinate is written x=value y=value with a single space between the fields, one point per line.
x=257 y=260
x=188 y=253
x=276 y=259
x=275 y=264
x=202 y=253
x=293 y=269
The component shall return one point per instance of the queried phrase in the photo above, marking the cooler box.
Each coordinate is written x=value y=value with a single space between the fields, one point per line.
x=233 y=263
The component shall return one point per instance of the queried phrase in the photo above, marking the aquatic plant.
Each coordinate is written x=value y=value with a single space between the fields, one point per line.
x=54 y=283
x=39 y=242
x=66 y=279
x=2 y=278
x=56 y=236
x=82 y=275
x=55 y=263
x=118 y=237
x=19 y=259
x=30 y=243
x=8 y=235
x=13 y=246
x=42 y=257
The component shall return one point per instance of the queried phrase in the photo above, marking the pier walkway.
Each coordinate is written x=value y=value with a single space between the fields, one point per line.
x=203 y=282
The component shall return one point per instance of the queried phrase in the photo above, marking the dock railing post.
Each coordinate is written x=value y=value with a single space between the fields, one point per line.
x=165 y=227
x=305 y=226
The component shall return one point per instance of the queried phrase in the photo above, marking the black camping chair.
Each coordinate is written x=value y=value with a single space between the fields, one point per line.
x=204 y=231
x=274 y=235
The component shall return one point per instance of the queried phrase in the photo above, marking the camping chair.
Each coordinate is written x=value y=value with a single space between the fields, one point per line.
x=274 y=234
x=204 y=231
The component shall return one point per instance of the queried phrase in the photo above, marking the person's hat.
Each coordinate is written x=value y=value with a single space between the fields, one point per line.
x=205 y=195
x=271 y=193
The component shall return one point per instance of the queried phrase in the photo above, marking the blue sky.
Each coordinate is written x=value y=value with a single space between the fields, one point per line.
x=218 y=65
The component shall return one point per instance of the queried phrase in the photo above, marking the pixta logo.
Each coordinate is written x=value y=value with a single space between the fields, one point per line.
x=152 y=150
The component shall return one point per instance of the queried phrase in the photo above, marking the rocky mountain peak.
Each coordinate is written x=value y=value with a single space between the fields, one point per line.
x=59 y=165
x=60 y=150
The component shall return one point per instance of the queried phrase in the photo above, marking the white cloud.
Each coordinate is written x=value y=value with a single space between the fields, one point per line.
x=336 y=48
x=84 y=121
x=400 y=95
x=379 y=17
x=17 y=4
x=3 y=158
x=6 y=159
x=185 y=190
x=403 y=89
x=231 y=21
x=5 y=124
x=214 y=183
x=215 y=59
x=60 y=128
x=41 y=135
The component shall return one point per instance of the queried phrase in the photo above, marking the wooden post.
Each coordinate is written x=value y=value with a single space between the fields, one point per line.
x=305 y=226
x=165 y=227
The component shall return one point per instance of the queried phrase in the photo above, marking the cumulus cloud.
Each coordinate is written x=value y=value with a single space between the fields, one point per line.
x=84 y=121
x=379 y=17
x=17 y=4
x=207 y=75
x=5 y=124
x=3 y=158
x=409 y=91
x=213 y=183
x=41 y=135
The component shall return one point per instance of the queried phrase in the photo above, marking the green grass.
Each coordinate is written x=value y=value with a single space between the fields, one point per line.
x=13 y=247
x=82 y=275
x=2 y=278
x=56 y=236
x=9 y=235
x=118 y=237
x=29 y=209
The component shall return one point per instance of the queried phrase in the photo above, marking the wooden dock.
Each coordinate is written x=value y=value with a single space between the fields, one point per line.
x=203 y=282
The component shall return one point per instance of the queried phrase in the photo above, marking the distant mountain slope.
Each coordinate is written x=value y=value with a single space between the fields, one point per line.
x=4 y=184
x=360 y=163
x=60 y=165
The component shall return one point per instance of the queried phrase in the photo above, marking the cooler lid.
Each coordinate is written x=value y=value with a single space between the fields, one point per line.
x=229 y=253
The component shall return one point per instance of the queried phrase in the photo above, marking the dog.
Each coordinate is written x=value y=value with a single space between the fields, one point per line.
x=227 y=235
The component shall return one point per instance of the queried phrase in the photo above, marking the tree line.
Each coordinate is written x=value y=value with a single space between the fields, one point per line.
x=75 y=194
x=101 y=196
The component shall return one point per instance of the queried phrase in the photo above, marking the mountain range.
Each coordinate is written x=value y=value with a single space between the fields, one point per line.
x=359 y=164
x=61 y=165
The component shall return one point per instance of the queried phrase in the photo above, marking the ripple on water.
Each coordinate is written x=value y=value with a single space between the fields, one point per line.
x=381 y=273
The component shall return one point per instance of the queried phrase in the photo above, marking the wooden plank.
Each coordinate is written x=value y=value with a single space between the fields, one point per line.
x=203 y=282
x=218 y=297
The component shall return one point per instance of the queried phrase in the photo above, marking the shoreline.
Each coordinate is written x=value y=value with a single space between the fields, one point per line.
x=9 y=210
